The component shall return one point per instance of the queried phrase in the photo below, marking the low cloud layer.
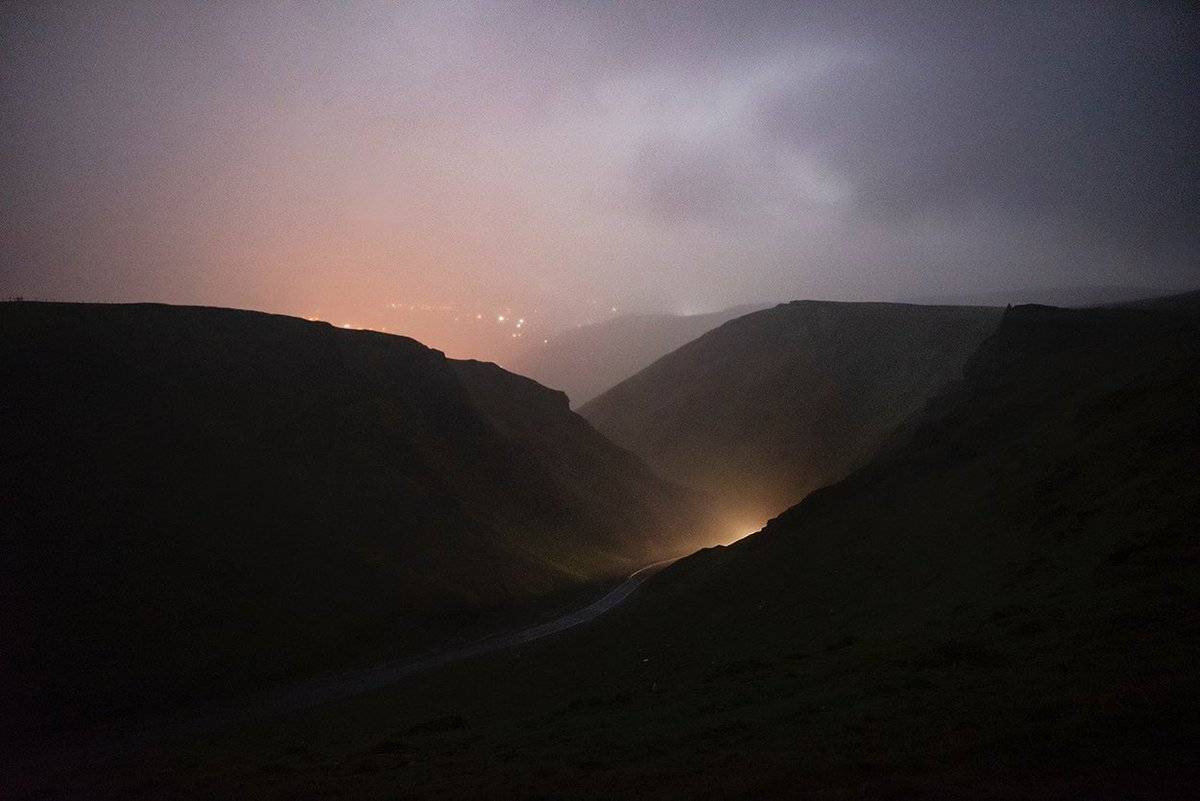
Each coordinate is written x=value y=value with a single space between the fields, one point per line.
x=302 y=158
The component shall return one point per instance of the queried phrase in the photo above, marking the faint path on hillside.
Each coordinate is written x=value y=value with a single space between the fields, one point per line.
x=356 y=682
x=125 y=737
x=313 y=692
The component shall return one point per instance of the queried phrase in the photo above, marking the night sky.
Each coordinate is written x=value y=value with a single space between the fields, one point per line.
x=430 y=168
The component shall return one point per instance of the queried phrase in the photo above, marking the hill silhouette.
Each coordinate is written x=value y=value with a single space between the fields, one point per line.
x=775 y=404
x=1002 y=606
x=1065 y=296
x=585 y=361
x=205 y=499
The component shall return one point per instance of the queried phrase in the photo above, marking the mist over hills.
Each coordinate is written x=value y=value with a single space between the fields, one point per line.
x=1066 y=296
x=1001 y=607
x=501 y=496
x=201 y=499
x=774 y=404
x=1008 y=598
x=1059 y=474
x=999 y=604
x=585 y=361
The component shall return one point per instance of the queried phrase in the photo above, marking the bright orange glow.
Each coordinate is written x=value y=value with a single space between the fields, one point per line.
x=742 y=533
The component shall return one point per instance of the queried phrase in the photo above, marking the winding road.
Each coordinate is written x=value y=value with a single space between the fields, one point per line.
x=132 y=733
x=356 y=682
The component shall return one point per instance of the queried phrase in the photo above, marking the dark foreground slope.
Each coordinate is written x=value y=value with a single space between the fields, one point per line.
x=775 y=404
x=206 y=498
x=585 y=361
x=1004 y=608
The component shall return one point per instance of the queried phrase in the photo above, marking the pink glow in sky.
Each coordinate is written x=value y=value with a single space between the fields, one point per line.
x=428 y=167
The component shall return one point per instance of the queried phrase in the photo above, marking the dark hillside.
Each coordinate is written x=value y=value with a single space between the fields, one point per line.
x=586 y=361
x=775 y=404
x=1004 y=608
x=586 y=471
x=1182 y=302
x=199 y=498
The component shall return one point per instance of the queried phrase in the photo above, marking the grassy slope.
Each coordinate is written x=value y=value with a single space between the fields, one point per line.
x=640 y=522
x=1003 y=608
x=207 y=498
x=775 y=404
